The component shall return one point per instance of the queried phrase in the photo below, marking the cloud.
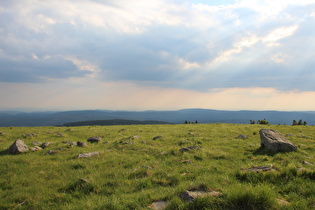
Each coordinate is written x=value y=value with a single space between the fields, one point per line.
x=37 y=70
x=183 y=45
x=115 y=96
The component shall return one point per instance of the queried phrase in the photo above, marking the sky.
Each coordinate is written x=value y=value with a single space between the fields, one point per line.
x=157 y=54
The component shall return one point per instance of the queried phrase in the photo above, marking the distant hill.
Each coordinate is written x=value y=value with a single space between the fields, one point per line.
x=177 y=116
x=114 y=122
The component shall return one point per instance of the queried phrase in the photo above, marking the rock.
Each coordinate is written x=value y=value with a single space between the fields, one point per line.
x=29 y=134
x=36 y=143
x=71 y=143
x=282 y=202
x=157 y=137
x=242 y=137
x=275 y=141
x=81 y=144
x=186 y=149
x=50 y=152
x=86 y=155
x=158 y=205
x=186 y=161
x=44 y=145
x=259 y=169
x=36 y=148
x=59 y=134
x=307 y=163
x=190 y=196
x=18 y=147
x=95 y=139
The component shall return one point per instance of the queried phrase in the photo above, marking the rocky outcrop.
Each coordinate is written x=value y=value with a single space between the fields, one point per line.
x=18 y=147
x=275 y=141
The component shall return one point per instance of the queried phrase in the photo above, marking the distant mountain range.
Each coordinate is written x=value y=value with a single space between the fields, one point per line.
x=57 y=118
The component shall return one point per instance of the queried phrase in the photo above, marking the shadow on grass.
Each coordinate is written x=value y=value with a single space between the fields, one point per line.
x=4 y=152
x=264 y=151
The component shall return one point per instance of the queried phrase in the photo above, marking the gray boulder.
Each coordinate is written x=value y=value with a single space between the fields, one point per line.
x=275 y=141
x=18 y=147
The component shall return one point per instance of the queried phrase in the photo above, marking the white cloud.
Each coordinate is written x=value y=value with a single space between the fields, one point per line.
x=280 y=33
x=186 y=65
x=251 y=39
x=169 y=44
x=279 y=57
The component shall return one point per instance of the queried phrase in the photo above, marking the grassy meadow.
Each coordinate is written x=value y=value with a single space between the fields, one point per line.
x=132 y=170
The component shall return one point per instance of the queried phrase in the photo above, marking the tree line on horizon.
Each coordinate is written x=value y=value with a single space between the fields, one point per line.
x=265 y=122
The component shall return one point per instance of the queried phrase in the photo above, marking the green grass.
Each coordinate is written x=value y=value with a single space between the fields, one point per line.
x=133 y=170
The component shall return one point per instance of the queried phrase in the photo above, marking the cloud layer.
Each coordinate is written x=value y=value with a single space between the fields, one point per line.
x=179 y=45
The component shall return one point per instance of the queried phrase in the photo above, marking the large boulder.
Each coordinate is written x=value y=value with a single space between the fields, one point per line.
x=18 y=147
x=275 y=141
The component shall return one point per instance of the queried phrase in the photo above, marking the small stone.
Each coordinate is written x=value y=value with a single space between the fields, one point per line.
x=95 y=139
x=59 y=134
x=186 y=161
x=158 y=205
x=50 y=152
x=81 y=144
x=29 y=134
x=190 y=196
x=242 y=137
x=134 y=137
x=307 y=163
x=36 y=143
x=44 y=145
x=282 y=202
x=36 y=148
x=186 y=149
x=86 y=155
x=157 y=137
x=259 y=169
